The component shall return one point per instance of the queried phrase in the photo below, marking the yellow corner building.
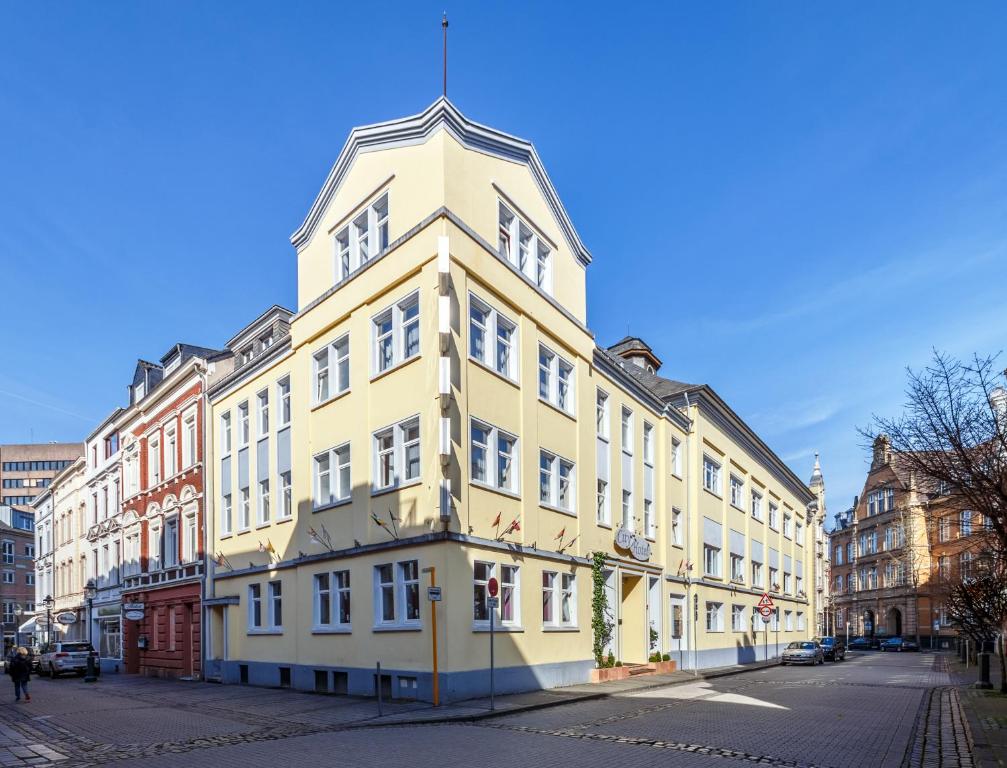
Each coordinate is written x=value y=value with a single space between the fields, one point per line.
x=437 y=413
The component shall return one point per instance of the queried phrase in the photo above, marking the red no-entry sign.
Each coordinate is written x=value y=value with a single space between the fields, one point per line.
x=493 y=586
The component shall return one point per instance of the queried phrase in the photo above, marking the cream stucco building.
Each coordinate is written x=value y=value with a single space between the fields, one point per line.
x=437 y=410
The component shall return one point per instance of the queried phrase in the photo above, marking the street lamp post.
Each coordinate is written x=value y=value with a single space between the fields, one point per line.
x=48 y=602
x=90 y=590
x=18 y=616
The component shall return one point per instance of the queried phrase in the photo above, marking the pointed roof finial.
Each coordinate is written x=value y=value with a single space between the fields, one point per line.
x=816 y=473
x=444 y=27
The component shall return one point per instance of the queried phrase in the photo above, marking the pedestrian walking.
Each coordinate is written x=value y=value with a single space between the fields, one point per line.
x=20 y=673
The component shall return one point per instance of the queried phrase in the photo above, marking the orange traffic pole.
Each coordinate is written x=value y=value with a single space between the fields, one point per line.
x=433 y=632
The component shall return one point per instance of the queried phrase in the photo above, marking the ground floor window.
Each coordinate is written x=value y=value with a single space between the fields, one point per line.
x=714 y=617
x=738 y=618
x=559 y=599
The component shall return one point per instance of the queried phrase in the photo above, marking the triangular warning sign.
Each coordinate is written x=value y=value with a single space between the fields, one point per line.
x=765 y=601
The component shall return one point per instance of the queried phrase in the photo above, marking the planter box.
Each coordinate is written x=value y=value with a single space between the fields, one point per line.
x=609 y=673
x=662 y=667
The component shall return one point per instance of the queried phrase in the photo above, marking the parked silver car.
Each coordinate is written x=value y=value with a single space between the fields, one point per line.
x=60 y=658
x=803 y=652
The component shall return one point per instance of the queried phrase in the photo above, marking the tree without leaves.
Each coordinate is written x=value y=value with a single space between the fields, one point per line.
x=954 y=431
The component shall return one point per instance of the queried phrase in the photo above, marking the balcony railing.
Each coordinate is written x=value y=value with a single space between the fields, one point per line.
x=163 y=576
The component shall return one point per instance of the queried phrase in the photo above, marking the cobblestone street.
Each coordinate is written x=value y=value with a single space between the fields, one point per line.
x=872 y=710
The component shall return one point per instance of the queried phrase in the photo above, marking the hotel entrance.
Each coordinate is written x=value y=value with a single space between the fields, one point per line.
x=639 y=631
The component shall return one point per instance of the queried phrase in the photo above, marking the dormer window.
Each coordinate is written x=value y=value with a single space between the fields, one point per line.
x=266 y=341
x=519 y=244
x=246 y=354
x=172 y=365
x=364 y=238
x=138 y=392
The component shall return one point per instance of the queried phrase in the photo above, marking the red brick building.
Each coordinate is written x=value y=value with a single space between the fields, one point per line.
x=162 y=515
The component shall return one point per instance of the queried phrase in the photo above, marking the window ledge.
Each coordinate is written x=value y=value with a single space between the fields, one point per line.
x=397 y=628
x=284 y=520
x=395 y=367
x=713 y=493
x=269 y=632
x=556 y=408
x=392 y=488
x=547 y=628
x=332 y=505
x=260 y=526
x=490 y=369
x=331 y=630
x=332 y=399
x=570 y=512
x=485 y=627
x=243 y=531
x=604 y=525
x=495 y=489
x=225 y=536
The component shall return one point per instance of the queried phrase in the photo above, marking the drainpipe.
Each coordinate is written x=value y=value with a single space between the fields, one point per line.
x=202 y=372
x=688 y=539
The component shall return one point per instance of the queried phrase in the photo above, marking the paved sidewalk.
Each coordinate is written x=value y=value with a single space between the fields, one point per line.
x=479 y=709
x=986 y=713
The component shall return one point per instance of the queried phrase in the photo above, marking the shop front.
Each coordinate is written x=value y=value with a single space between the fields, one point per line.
x=161 y=631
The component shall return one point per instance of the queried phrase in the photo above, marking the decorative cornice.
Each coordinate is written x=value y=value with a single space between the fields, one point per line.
x=441 y=115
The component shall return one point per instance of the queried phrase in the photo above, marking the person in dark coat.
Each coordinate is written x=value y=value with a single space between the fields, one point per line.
x=20 y=672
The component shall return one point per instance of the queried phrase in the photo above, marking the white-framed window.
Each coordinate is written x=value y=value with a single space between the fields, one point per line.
x=263 y=506
x=244 y=431
x=799 y=534
x=737 y=492
x=332 y=475
x=225 y=514
x=508 y=612
x=559 y=599
x=788 y=621
x=737 y=567
x=331 y=369
x=493 y=338
x=262 y=400
x=188 y=439
x=244 y=510
x=397 y=594
x=676 y=457
x=756 y=505
x=648 y=444
x=714 y=617
x=494 y=456
x=676 y=527
x=774 y=516
x=944 y=529
x=190 y=538
x=711 y=475
x=332 y=601
x=276 y=605
x=364 y=238
x=603 y=502
x=556 y=381
x=255 y=607
x=649 y=521
x=711 y=560
x=286 y=497
x=523 y=248
x=965 y=523
x=170 y=451
x=225 y=433
x=556 y=481
x=788 y=525
x=626 y=430
x=396 y=333
x=649 y=528
x=397 y=454
x=283 y=398
x=601 y=414
x=738 y=618
x=627 y=509
x=757 y=574
x=153 y=465
x=800 y=621
x=169 y=542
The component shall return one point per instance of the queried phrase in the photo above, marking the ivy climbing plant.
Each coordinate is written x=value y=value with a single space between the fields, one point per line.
x=599 y=609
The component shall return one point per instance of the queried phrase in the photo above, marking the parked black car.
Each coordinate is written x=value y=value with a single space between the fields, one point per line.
x=909 y=645
x=878 y=641
x=833 y=647
x=860 y=644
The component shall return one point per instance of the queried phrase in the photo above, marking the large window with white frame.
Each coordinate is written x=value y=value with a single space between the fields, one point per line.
x=190 y=537
x=649 y=522
x=263 y=505
x=737 y=492
x=275 y=605
x=364 y=238
x=244 y=509
x=676 y=457
x=332 y=475
x=508 y=612
x=244 y=431
x=524 y=249
x=756 y=504
x=225 y=433
x=556 y=382
x=331 y=369
x=153 y=464
x=262 y=401
x=492 y=338
x=255 y=614
x=226 y=513
x=559 y=599
x=189 y=439
x=494 y=457
x=397 y=333
x=711 y=475
x=397 y=454
x=286 y=497
x=332 y=602
x=556 y=482
x=283 y=402
x=714 y=617
x=170 y=451
x=397 y=594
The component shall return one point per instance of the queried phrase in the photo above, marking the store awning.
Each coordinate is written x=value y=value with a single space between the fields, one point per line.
x=30 y=627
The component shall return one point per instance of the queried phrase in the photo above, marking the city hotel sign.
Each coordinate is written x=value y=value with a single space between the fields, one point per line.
x=638 y=546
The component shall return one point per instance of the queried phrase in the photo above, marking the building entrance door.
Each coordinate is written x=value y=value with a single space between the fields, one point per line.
x=633 y=627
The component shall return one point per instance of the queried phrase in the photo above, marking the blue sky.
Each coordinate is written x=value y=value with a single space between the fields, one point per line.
x=791 y=202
